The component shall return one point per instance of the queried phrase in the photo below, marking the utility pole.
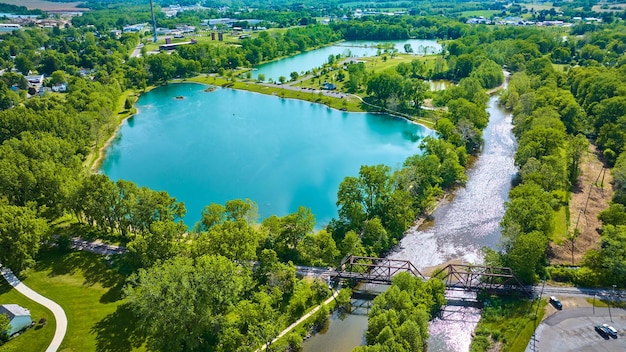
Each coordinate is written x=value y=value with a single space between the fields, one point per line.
x=153 y=22
x=536 y=314
x=612 y=297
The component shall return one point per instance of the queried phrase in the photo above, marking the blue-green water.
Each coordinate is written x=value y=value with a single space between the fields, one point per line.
x=315 y=58
x=228 y=144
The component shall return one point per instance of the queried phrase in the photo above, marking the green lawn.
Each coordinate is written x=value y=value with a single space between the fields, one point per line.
x=560 y=222
x=90 y=292
x=36 y=338
x=509 y=321
x=484 y=13
x=604 y=303
x=538 y=6
x=349 y=103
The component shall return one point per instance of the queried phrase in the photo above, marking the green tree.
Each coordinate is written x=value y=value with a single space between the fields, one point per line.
x=21 y=235
x=162 y=242
x=385 y=85
x=5 y=326
x=615 y=214
x=463 y=67
x=24 y=64
x=527 y=256
x=610 y=260
x=318 y=249
x=398 y=320
x=528 y=210
x=208 y=288
x=58 y=77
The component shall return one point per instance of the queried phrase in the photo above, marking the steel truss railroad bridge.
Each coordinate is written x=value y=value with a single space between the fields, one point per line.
x=475 y=278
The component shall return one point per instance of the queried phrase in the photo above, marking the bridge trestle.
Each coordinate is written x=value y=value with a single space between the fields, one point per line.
x=481 y=278
x=373 y=270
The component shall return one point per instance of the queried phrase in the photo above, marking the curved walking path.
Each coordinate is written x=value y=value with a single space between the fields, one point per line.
x=57 y=311
x=304 y=317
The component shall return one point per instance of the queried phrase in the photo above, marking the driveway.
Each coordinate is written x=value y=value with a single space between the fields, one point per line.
x=573 y=330
x=57 y=311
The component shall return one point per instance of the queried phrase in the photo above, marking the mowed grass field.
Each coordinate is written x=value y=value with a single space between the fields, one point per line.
x=90 y=292
x=36 y=338
x=46 y=5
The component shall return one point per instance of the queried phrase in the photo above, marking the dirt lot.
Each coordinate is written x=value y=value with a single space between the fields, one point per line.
x=46 y=5
x=593 y=191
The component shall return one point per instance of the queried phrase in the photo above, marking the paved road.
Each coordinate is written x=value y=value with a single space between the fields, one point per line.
x=96 y=247
x=137 y=51
x=57 y=311
x=603 y=293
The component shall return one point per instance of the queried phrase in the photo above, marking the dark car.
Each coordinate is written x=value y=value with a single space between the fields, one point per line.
x=556 y=303
x=603 y=331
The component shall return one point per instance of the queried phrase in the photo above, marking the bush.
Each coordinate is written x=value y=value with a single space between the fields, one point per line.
x=587 y=277
x=562 y=274
x=480 y=343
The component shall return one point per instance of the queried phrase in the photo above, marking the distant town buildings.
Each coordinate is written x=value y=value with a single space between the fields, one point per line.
x=518 y=21
x=173 y=10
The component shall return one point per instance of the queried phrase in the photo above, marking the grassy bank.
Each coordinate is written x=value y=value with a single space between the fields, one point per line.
x=108 y=132
x=507 y=324
x=348 y=103
x=304 y=328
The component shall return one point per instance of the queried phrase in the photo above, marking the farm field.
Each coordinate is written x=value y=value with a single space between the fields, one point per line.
x=46 y=5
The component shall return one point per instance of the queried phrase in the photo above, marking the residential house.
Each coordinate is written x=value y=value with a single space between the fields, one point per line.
x=19 y=317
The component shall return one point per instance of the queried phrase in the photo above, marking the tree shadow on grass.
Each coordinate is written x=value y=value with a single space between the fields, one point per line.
x=118 y=331
x=114 y=294
x=4 y=286
x=94 y=267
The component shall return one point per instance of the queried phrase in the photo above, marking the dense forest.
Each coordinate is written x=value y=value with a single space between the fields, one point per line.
x=563 y=93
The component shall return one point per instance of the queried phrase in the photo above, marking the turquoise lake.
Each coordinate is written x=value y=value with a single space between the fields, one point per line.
x=210 y=147
x=357 y=48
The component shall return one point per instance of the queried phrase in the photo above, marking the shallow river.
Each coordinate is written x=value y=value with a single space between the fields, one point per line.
x=457 y=232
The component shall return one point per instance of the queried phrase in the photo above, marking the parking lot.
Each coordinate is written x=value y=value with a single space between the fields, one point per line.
x=573 y=330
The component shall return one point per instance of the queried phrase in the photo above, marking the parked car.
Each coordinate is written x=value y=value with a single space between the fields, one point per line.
x=611 y=330
x=604 y=332
x=556 y=303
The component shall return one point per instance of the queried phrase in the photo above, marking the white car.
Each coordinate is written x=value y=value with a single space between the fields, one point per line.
x=612 y=331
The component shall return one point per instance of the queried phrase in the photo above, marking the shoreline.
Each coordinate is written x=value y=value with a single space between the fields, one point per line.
x=94 y=165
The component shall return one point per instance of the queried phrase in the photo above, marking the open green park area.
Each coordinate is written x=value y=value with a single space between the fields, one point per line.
x=90 y=291
x=36 y=338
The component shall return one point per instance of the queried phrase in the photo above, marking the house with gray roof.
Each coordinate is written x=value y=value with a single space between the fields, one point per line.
x=19 y=317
